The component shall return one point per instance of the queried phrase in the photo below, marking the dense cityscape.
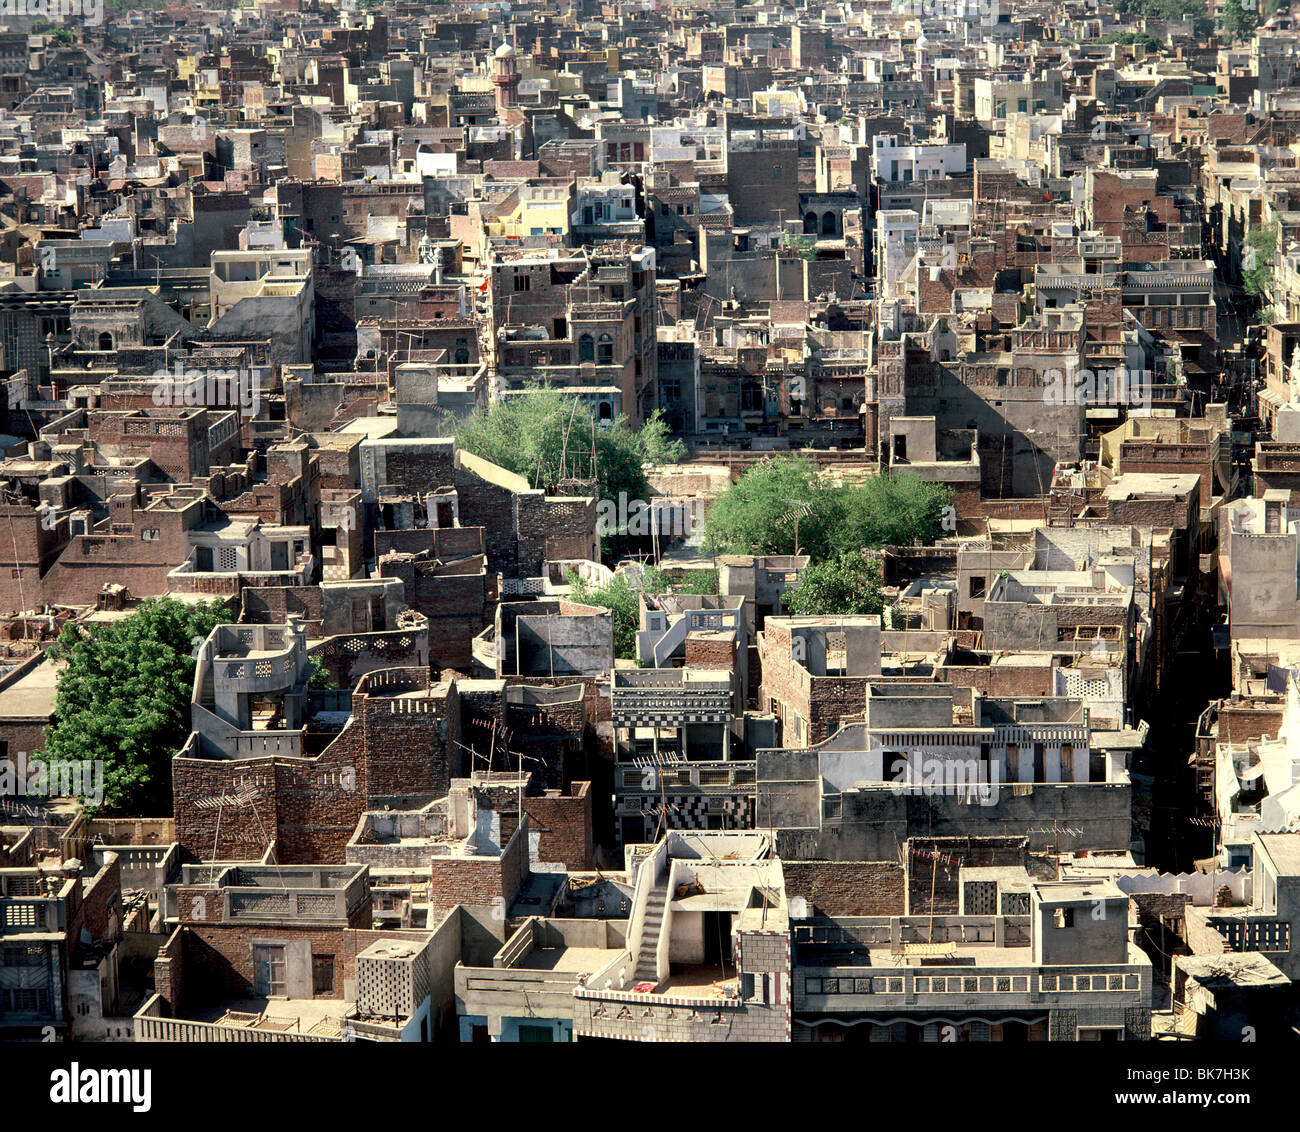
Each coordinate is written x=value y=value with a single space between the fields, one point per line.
x=671 y=521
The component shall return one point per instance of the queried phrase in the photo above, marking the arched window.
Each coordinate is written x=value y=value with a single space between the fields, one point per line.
x=106 y=341
x=604 y=411
x=462 y=351
x=586 y=348
x=810 y=223
x=605 y=353
x=828 y=224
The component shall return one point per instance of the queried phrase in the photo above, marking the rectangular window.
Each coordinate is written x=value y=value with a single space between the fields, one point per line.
x=29 y=1000
x=523 y=283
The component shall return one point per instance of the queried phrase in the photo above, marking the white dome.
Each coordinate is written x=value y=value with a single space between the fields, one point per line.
x=505 y=51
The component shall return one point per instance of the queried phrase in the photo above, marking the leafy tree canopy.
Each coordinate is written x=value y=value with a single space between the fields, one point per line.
x=621 y=596
x=758 y=514
x=1239 y=22
x=844 y=585
x=321 y=677
x=804 y=246
x=703 y=582
x=1133 y=37
x=1170 y=10
x=1257 y=261
x=545 y=435
x=124 y=697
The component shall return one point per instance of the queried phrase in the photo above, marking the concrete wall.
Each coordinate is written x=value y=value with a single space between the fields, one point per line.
x=873 y=820
x=565 y=646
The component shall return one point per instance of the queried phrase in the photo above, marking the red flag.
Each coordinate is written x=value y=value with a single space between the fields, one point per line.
x=483 y=286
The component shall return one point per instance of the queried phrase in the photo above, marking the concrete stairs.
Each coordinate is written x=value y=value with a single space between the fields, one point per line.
x=671 y=641
x=652 y=927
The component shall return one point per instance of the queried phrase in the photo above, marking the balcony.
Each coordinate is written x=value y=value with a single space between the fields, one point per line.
x=721 y=776
x=271 y=894
x=949 y=962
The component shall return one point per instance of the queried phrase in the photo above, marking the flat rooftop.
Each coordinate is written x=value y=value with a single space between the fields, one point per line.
x=1284 y=851
x=32 y=695
x=581 y=960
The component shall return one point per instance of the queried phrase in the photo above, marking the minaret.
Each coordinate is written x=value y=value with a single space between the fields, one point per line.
x=505 y=76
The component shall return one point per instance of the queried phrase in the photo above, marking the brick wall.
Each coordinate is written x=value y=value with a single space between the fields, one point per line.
x=711 y=650
x=832 y=698
x=168 y=971
x=101 y=902
x=1155 y=907
x=458 y=607
x=847 y=888
x=22 y=735
x=532 y=528
x=1001 y=679
x=571 y=529
x=929 y=878
x=418 y=472
x=480 y=882
x=441 y=542
x=225 y=832
x=514 y=523
x=410 y=743
x=268 y=605
x=827 y=700
x=1244 y=725
x=219 y=958
x=393 y=747
x=564 y=825
x=88 y=561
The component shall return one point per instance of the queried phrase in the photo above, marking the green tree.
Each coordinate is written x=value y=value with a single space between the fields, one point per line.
x=757 y=514
x=774 y=500
x=804 y=247
x=1239 y=22
x=321 y=677
x=703 y=582
x=621 y=596
x=545 y=435
x=124 y=697
x=1257 y=261
x=845 y=584
x=1169 y=10
x=1133 y=37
